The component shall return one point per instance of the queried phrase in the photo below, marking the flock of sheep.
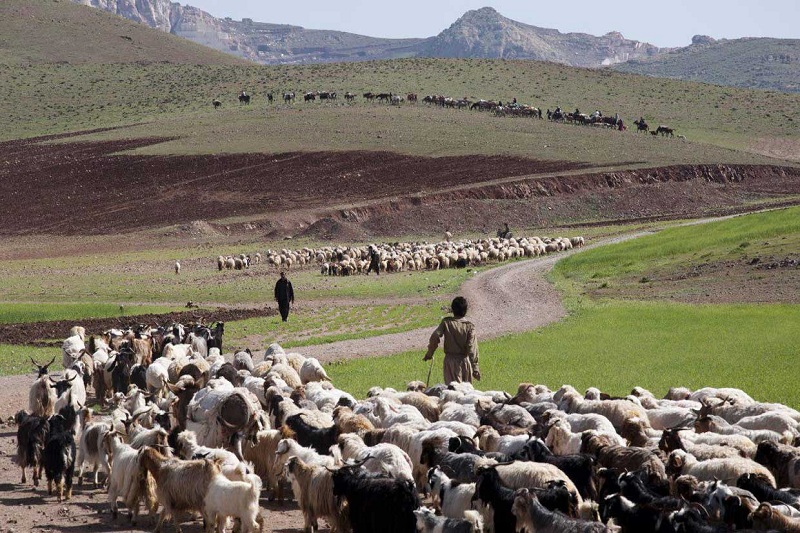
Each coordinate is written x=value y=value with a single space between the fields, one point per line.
x=188 y=430
x=404 y=256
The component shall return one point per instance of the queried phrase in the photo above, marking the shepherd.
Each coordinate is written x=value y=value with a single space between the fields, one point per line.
x=460 y=345
x=284 y=295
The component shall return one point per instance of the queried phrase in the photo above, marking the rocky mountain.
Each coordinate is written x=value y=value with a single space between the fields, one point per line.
x=257 y=41
x=755 y=63
x=485 y=33
x=482 y=33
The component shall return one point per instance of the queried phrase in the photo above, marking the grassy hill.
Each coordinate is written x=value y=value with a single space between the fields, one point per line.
x=757 y=63
x=55 y=31
x=176 y=100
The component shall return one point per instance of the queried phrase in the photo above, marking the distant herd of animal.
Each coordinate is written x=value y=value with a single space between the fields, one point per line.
x=509 y=109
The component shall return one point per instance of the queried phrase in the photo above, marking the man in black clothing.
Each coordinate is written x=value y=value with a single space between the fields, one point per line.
x=284 y=295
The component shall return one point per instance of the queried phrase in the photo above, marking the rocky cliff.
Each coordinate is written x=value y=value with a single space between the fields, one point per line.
x=486 y=33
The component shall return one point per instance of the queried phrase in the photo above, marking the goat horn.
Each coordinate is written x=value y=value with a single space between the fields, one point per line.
x=226 y=423
x=51 y=362
x=37 y=365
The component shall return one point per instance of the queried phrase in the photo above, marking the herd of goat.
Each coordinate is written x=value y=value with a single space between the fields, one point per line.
x=510 y=108
x=404 y=256
x=188 y=430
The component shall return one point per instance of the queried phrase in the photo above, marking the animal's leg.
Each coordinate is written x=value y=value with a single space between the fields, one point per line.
x=96 y=469
x=24 y=479
x=60 y=489
x=68 y=482
x=50 y=487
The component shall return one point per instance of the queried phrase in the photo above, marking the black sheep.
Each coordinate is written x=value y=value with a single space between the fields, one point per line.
x=490 y=491
x=139 y=377
x=464 y=445
x=377 y=503
x=634 y=518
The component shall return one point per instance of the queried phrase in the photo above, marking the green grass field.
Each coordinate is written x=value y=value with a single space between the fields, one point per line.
x=627 y=263
x=619 y=345
x=18 y=313
x=616 y=345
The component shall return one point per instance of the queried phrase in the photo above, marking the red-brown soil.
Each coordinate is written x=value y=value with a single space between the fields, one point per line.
x=81 y=188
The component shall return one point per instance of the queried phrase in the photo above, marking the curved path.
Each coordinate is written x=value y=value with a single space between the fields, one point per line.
x=509 y=299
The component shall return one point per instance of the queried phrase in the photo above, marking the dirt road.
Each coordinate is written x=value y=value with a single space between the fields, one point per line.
x=510 y=299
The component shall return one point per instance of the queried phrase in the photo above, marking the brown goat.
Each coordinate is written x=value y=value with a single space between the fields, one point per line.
x=348 y=422
x=180 y=485
x=765 y=517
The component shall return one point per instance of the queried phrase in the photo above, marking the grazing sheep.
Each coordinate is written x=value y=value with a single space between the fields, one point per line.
x=187 y=448
x=348 y=422
x=177 y=267
x=243 y=360
x=725 y=470
x=521 y=474
x=617 y=411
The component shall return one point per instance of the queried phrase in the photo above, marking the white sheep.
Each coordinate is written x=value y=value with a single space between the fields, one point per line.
x=235 y=499
x=311 y=370
x=71 y=349
x=383 y=457
x=617 y=411
x=725 y=470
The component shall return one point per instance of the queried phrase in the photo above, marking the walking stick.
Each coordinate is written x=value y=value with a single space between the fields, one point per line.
x=427 y=381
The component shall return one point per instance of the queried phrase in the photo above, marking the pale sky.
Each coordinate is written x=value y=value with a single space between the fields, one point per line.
x=663 y=23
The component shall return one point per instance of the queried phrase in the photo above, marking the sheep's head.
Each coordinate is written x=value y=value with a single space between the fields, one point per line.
x=676 y=462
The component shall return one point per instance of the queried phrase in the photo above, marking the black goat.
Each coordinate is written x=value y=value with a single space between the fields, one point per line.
x=215 y=340
x=121 y=369
x=633 y=487
x=459 y=466
x=321 y=439
x=764 y=491
x=31 y=438
x=463 y=444
x=489 y=490
x=377 y=503
x=533 y=516
x=634 y=518
x=139 y=377
x=578 y=467
x=228 y=372
x=59 y=452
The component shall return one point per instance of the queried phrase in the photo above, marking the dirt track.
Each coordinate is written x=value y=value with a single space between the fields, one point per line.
x=508 y=299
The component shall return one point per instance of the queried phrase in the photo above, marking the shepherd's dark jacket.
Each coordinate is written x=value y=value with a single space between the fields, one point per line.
x=283 y=291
